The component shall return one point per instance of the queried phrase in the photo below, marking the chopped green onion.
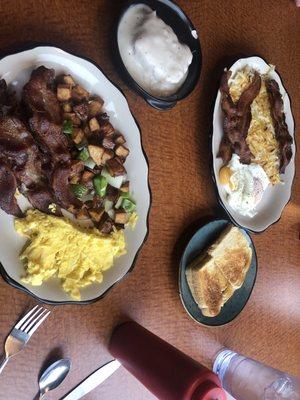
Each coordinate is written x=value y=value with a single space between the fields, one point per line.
x=67 y=127
x=79 y=190
x=128 y=205
x=100 y=185
x=84 y=154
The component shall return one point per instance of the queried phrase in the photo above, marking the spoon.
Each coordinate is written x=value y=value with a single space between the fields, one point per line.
x=53 y=376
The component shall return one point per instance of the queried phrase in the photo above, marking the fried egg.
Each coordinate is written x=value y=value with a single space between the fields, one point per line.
x=244 y=185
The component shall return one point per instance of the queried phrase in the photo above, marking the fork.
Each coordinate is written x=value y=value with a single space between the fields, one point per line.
x=22 y=332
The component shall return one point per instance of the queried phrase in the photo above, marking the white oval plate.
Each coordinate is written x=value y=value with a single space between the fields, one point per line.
x=275 y=198
x=16 y=70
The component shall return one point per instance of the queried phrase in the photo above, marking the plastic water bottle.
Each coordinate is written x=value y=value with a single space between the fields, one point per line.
x=247 y=379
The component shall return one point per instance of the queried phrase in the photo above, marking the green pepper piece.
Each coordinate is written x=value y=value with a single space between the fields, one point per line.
x=67 y=127
x=84 y=154
x=79 y=190
x=100 y=185
x=128 y=205
x=126 y=195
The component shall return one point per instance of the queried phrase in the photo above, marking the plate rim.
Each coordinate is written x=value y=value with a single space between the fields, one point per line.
x=181 y=267
x=6 y=277
x=220 y=201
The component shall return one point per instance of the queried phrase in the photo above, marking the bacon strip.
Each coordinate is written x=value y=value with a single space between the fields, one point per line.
x=61 y=187
x=52 y=141
x=8 y=186
x=282 y=135
x=41 y=197
x=237 y=119
x=38 y=95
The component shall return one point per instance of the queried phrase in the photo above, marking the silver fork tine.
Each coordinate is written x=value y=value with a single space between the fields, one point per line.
x=35 y=324
x=32 y=317
x=38 y=323
x=19 y=323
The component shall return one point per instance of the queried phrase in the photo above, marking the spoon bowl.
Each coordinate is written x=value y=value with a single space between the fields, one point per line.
x=54 y=375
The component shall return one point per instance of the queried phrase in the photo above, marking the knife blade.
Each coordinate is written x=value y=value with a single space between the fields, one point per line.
x=93 y=380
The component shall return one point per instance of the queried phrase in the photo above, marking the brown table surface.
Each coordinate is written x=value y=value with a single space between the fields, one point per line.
x=177 y=144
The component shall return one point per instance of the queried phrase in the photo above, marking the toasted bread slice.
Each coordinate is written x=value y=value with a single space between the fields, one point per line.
x=219 y=271
x=208 y=285
x=232 y=255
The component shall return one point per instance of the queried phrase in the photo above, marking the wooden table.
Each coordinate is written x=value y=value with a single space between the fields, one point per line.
x=177 y=144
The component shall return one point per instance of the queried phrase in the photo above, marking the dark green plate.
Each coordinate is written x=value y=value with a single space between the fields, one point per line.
x=204 y=237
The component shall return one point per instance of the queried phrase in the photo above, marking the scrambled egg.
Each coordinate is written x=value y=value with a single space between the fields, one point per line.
x=132 y=220
x=59 y=248
x=261 y=135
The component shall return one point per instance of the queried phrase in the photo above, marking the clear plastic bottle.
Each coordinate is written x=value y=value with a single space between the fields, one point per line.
x=247 y=379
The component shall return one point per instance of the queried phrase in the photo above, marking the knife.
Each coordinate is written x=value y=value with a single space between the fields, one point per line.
x=93 y=380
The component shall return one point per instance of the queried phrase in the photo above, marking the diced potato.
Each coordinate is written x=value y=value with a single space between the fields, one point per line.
x=81 y=111
x=125 y=187
x=94 y=125
x=108 y=142
x=71 y=209
x=87 y=176
x=77 y=135
x=96 y=152
x=95 y=107
x=67 y=107
x=79 y=94
x=120 y=159
x=82 y=214
x=97 y=201
x=107 y=129
x=119 y=139
x=107 y=155
x=87 y=131
x=63 y=92
x=112 y=193
x=74 y=179
x=121 y=151
x=76 y=166
x=106 y=224
x=72 y=117
x=96 y=214
x=115 y=168
x=121 y=217
x=68 y=80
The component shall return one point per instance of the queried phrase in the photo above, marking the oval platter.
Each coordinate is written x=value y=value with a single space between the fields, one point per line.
x=275 y=197
x=16 y=70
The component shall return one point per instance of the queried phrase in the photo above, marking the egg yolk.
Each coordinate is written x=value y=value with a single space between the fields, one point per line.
x=225 y=174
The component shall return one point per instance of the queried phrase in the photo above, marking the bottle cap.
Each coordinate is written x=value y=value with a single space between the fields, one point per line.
x=209 y=391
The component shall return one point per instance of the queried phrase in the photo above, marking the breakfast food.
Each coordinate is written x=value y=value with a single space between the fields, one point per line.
x=245 y=185
x=59 y=248
x=219 y=271
x=256 y=141
x=151 y=51
x=59 y=149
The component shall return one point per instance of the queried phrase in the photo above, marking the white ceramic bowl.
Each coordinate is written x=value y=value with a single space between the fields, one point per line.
x=275 y=198
x=16 y=70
